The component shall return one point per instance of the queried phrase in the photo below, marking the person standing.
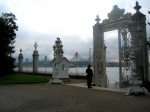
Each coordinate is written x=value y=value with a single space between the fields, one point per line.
x=89 y=76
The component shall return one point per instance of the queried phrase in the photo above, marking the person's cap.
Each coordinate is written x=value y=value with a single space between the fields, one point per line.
x=89 y=65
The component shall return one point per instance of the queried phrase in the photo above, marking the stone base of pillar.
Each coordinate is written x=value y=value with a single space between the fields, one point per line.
x=103 y=82
x=136 y=89
x=55 y=81
x=100 y=82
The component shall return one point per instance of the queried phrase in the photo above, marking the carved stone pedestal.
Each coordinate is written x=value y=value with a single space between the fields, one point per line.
x=56 y=81
x=60 y=64
x=56 y=78
x=135 y=88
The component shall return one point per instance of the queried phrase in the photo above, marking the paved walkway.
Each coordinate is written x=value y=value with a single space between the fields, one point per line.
x=114 y=89
x=68 y=98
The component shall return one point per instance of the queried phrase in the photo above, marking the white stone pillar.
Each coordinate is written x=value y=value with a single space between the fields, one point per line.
x=35 y=59
x=136 y=27
x=99 y=59
x=20 y=62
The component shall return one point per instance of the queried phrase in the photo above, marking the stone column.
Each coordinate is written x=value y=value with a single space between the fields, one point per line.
x=137 y=58
x=99 y=65
x=20 y=62
x=35 y=59
x=140 y=37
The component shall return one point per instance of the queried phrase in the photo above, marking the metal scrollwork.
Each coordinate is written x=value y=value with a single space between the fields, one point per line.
x=125 y=55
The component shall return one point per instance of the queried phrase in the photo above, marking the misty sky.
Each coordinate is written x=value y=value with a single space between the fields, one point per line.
x=42 y=21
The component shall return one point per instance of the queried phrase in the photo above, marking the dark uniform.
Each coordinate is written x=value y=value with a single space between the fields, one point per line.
x=89 y=76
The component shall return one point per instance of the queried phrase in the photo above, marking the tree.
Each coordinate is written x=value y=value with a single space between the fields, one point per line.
x=149 y=37
x=7 y=39
x=148 y=13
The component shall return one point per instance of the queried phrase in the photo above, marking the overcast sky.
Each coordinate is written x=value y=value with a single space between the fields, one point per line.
x=42 y=21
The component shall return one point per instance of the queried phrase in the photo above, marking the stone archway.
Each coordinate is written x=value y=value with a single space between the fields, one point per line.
x=118 y=20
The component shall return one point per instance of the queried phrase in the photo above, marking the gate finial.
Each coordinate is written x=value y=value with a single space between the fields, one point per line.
x=97 y=19
x=137 y=7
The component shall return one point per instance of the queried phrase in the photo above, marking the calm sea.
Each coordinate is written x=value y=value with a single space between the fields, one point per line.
x=112 y=72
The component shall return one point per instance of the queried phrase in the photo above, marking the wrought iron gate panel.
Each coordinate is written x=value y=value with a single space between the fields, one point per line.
x=117 y=20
